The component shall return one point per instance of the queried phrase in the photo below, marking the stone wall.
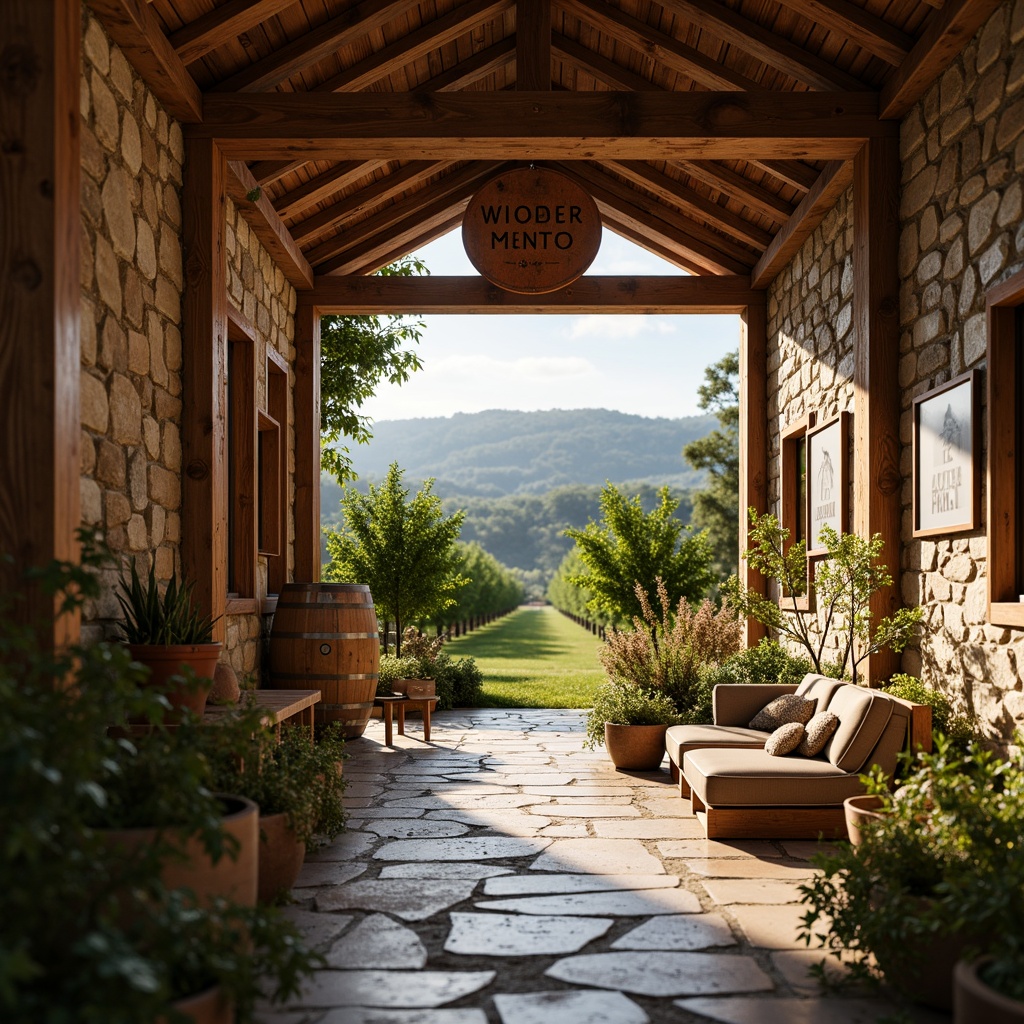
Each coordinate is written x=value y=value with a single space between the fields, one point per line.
x=962 y=231
x=132 y=286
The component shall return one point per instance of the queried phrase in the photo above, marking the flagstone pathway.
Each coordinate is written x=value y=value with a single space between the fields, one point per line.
x=503 y=874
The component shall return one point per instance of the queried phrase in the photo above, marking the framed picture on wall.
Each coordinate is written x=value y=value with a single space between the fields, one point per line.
x=947 y=463
x=828 y=483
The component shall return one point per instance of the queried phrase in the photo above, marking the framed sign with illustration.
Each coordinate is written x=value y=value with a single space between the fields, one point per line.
x=828 y=484
x=947 y=466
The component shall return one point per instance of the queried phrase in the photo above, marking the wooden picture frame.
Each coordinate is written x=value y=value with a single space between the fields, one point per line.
x=828 y=480
x=793 y=495
x=947 y=458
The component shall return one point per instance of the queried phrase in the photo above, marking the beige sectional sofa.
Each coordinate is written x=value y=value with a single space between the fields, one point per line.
x=739 y=790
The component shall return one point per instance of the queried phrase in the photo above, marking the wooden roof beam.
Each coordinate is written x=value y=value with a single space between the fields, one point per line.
x=774 y=50
x=195 y=40
x=329 y=183
x=578 y=56
x=414 y=45
x=866 y=30
x=541 y=126
x=462 y=182
x=831 y=184
x=676 y=194
x=739 y=188
x=346 y=296
x=268 y=226
x=137 y=30
x=323 y=41
x=359 y=203
x=945 y=34
x=657 y=246
x=410 y=243
x=792 y=172
x=533 y=44
x=663 y=48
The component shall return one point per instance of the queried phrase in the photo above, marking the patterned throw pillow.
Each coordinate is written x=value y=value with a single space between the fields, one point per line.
x=784 y=740
x=783 y=710
x=819 y=729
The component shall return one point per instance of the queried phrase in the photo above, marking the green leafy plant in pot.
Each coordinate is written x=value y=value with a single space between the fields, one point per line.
x=165 y=633
x=937 y=874
x=631 y=722
x=298 y=785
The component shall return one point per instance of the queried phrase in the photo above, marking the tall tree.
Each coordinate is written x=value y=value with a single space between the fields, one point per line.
x=356 y=354
x=630 y=547
x=716 y=507
x=403 y=549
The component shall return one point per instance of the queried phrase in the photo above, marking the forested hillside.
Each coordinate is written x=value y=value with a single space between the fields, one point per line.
x=500 y=452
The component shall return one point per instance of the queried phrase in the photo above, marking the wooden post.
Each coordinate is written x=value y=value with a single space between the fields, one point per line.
x=876 y=417
x=307 y=444
x=533 y=45
x=753 y=443
x=204 y=519
x=40 y=418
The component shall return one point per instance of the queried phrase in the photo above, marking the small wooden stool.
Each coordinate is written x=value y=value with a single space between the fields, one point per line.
x=387 y=706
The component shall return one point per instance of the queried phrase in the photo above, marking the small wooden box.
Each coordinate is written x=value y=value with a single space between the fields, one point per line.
x=415 y=687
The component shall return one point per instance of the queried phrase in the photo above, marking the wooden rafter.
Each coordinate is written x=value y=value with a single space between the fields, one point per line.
x=361 y=202
x=198 y=38
x=676 y=194
x=649 y=41
x=411 y=241
x=315 y=45
x=578 y=56
x=673 y=294
x=944 y=37
x=739 y=188
x=792 y=172
x=868 y=31
x=831 y=184
x=261 y=216
x=323 y=186
x=414 y=45
x=533 y=44
x=136 y=29
x=766 y=46
x=712 y=252
x=667 y=251
x=558 y=125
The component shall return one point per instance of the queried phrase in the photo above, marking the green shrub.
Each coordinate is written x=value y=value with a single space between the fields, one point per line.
x=392 y=668
x=627 y=704
x=956 y=727
x=768 y=662
x=458 y=682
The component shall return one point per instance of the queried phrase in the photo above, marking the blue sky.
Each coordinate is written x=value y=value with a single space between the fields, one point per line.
x=647 y=365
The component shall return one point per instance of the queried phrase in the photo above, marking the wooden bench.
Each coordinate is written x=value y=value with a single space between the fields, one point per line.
x=278 y=706
x=388 y=705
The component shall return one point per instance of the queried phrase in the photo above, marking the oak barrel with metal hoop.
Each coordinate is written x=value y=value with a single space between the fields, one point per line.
x=325 y=638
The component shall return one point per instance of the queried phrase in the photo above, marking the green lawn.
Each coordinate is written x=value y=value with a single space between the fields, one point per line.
x=533 y=658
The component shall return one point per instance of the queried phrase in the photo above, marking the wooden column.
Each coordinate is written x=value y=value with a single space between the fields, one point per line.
x=40 y=417
x=204 y=513
x=753 y=442
x=533 y=45
x=876 y=415
x=307 y=444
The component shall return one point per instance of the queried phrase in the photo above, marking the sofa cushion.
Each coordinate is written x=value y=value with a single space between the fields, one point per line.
x=753 y=778
x=817 y=733
x=784 y=740
x=681 y=738
x=781 y=711
x=862 y=716
x=819 y=689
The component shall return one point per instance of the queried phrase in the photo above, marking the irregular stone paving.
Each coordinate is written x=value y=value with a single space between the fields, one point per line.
x=502 y=874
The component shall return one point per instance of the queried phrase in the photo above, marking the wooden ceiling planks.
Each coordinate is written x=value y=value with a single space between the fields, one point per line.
x=702 y=202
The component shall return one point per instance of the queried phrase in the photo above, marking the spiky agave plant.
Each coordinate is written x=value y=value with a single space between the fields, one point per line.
x=152 y=618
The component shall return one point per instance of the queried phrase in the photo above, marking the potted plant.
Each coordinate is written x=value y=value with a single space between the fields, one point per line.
x=167 y=635
x=631 y=722
x=297 y=783
x=937 y=872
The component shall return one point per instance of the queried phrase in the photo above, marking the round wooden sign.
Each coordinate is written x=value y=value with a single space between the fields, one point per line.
x=531 y=230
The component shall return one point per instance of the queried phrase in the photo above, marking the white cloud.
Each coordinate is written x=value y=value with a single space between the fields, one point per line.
x=617 y=327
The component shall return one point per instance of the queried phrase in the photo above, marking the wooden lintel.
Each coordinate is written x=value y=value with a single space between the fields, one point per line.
x=541 y=126
x=831 y=184
x=671 y=294
x=533 y=44
x=946 y=33
x=198 y=38
x=265 y=221
x=137 y=30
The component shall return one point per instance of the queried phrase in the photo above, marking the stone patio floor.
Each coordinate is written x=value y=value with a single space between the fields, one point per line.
x=503 y=873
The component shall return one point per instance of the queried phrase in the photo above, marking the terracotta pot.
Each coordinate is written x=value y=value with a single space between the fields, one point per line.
x=637 y=748
x=281 y=857
x=194 y=869
x=166 y=660
x=210 y=1006
x=974 y=1002
x=225 y=688
x=860 y=810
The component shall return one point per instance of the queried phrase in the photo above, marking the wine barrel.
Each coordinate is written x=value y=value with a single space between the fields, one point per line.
x=325 y=638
